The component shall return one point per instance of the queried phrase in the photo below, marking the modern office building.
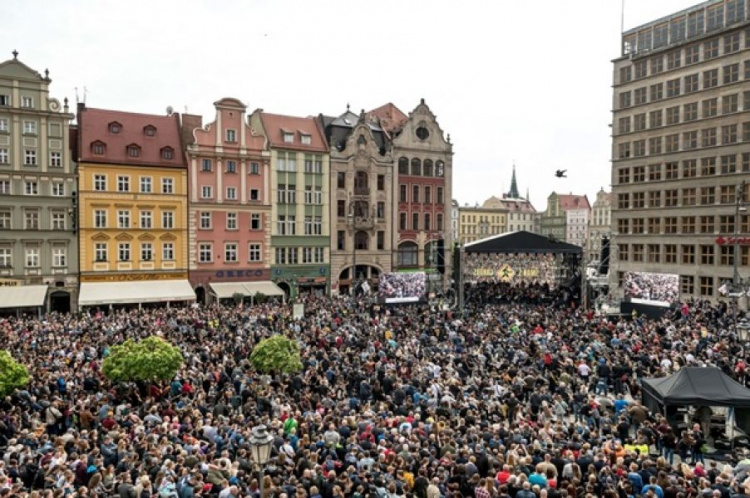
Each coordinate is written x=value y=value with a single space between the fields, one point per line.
x=361 y=200
x=300 y=206
x=230 y=204
x=132 y=216
x=38 y=241
x=681 y=127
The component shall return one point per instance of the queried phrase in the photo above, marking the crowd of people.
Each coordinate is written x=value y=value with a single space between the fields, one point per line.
x=514 y=398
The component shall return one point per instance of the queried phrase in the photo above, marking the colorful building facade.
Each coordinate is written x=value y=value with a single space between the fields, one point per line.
x=230 y=202
x=300 y=207
x=38 y=242
x=133 y=208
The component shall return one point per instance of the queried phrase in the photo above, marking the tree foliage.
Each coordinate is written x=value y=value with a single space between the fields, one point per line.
x=276 y=354
x=151 y=359
x=13 y=375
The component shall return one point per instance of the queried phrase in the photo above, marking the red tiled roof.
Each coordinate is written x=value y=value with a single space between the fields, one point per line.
x=391 y=118
x=276 y=124
x=93 y=126
x=571 y=201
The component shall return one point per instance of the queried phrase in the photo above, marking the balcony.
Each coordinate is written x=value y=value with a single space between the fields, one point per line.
x=361 y=223
x=361 y=191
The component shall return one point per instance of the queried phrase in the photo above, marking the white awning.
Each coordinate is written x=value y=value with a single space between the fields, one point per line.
x=145 y=291
x=23 y=296
x=225 y=290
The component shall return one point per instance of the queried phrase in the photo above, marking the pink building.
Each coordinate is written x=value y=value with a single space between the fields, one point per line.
x=230 y=202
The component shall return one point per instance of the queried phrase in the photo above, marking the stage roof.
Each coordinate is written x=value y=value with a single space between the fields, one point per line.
x=521 y=242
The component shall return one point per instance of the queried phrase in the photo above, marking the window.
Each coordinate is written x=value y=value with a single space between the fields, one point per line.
x=735 y=13
x=708 y=137
x=167 y=251
x=689 y=168
x=692 y=54
x=341 y=240
x=689 y=196
x=254 y=168
x=167 y=153
x=710 y=108
x=254 y=253
x=55 y=159
x=167 y=185
x=638 y=253
x=731 y=73
x=688 y=255
x=638 y=200
x=402 y=221
x=4 y=156
x=670 y=198
x=98 y=148
x=58 y=189
x=672 y=143
x=623 y=225
x=147 y=251
x=288 y=137
x=123 y=219
x=674 y=59
x=58 y=221
x=711 y=49
x=254 y=194
x=726 y=194
x=29 y=157
x=402 y=193
x=640 y=121
x=134 y=151
x=427 y=224
x=230 y=252
x=167 y=219
x=123 y=251
x=622 y=250
x=710 y=78
x=726 y=255
x=145 y=184
x=691 y=83
x=657 y=92
x=231 y=193
x=280 y=255
x=708 y=196
x=687 y=284
x=670 y=253
x=729 y=164
x=32 y=256
x=207 y=165
x=341 y=180
x=746 y=131
x=5 y=100
x=439 y=222
x=255 y=221
x=654 y=172
x=231 y=135
x=624 y=125
x=415 y=193
x=416 y=167
x=726 y=223
x=654 y=144
x=123 y=184
x=362 y=241
x=204 y=220
x=341 y=208
x=415 y=221
x=729 y=134
x=690 y=140
x=100 y=183
x=707 y=255
x=205 y=253
x=624 y=100
x=207 y=192
x=286 y=225
x=729 y=104
x=638 y=225
x=380 y=243
x=625 y=74
x=673 y=87
x=654 y=198
x=403 y=166
x=657 y=64
x=670 y=224
x=114 y=127
x=707 y=224
x=29 y=127
x=231 y=167
x=655 y=118
x=31 y=220
x=654 y=253
x=146 y=219
x=100 y=252
x=688 y=224
x=407 y=254
x=100 y=218
x=149 y=131
x=32 y=188
x=4 y=187
x=640 y=95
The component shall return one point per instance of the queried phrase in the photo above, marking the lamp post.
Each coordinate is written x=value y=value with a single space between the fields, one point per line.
x=260 y=447
x=743 y=334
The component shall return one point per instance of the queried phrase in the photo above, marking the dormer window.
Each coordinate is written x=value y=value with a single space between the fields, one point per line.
x=115 y=127
x=288 y=137
x=134 y=150
x=167 y=153
x=98 y=148
x=149 y=131
x=305 y=139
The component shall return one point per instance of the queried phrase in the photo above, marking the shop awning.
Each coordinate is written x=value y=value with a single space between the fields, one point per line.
x=144 y=291
x=224 y=290
x=23 y=296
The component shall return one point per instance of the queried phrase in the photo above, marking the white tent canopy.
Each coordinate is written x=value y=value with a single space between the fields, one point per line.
x=224 y=290
x=23 y=296
x=146 y=291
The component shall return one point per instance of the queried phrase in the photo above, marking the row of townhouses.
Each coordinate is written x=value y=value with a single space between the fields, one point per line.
x=101 y=207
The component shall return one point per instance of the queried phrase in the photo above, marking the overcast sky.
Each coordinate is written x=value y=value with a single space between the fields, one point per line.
x=511 y=81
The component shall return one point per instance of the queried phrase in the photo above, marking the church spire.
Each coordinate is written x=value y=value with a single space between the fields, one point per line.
x=513 y=194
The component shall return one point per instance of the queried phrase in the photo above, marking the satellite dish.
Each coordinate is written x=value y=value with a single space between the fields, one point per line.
x=170 y=110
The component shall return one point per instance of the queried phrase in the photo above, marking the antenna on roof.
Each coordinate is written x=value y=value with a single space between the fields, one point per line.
x=77 y=99
x=85 y=93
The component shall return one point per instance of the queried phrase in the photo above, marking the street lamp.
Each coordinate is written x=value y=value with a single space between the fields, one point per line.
x=261 y=443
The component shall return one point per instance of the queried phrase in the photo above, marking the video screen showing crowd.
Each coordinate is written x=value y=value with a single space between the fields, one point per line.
x=396 y=288
x=521 y=277
x=660 y=289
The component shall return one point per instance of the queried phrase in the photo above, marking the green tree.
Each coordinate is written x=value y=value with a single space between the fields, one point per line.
x=238 y=297
x=13 y=375
x=277 y=354
x=152 y=359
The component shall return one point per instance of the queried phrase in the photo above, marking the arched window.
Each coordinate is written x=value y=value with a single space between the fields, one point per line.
x=403 y=166
x=440 y=168
x=361 y=183
x=416 y=167
x=361 y=209
x=408 y=254
x=361 y=241
x=427 y=167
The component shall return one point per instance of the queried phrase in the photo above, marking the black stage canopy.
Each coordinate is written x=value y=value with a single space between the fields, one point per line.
x=695 y=386
x=521 y=242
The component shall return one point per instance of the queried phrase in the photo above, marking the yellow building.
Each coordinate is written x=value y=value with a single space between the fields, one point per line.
x=475 y=223
x=133 y=216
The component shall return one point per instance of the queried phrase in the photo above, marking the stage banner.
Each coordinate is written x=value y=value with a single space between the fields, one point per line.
x=511 y=268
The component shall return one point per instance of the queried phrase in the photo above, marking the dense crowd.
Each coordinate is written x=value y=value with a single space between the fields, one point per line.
x=514 y=398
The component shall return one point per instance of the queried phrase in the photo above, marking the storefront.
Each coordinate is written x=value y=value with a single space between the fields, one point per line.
x=202 y=280
x=296 y=280
x=135 y=293
x=225 y=291
x=19 y=299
